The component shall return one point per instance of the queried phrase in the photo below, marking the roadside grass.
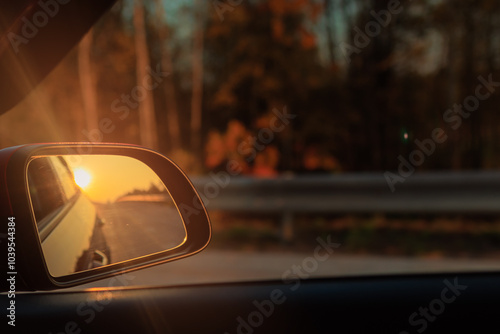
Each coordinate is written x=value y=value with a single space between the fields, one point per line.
x=409 y=235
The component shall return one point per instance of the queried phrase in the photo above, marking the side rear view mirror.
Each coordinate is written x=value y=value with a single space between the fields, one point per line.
x=70 y=218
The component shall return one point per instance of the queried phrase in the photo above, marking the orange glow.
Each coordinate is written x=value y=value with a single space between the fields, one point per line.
x=114 y=176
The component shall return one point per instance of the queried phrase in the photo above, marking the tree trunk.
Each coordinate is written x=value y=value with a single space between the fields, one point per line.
x=472 y=151
x=87 y=84
x=328 y=26
x=197 y=94
x=147 y=121
x=452 y=74
x=172 y=111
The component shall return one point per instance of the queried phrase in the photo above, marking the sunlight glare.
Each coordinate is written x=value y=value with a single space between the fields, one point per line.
x=82 y=177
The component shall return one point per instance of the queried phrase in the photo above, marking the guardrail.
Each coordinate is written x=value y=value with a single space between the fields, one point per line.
x=432 y=193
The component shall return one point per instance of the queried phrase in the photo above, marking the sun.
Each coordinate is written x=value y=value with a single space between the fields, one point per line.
x=82 y=177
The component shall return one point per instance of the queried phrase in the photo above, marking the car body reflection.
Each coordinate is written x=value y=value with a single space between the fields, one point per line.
x=69 y=226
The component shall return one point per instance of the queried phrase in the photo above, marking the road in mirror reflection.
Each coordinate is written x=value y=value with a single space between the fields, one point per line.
x=94 y=210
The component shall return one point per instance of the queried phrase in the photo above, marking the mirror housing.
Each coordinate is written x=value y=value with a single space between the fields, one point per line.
x=20 y=246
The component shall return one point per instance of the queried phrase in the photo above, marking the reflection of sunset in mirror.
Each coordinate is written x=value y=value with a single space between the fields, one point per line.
x=82 y=177
x=106 y=178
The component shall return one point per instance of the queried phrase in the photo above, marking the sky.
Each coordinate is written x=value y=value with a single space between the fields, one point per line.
x=112 y=176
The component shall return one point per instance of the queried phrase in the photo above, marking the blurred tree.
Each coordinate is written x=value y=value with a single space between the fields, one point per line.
x=458 y=39
x=262 y=57
x=329 y=7
x=114 y=61
x=370 y=80
x=148 y=132
x=172 y=111
x=87 y=82
x=233 y=145
x=265 y=55
x=197 y=68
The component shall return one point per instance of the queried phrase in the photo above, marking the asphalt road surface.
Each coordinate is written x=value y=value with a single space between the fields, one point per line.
x=217 y=266
x=134 y=229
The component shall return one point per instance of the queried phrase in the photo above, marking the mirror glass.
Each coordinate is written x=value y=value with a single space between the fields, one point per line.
x=95 y=210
